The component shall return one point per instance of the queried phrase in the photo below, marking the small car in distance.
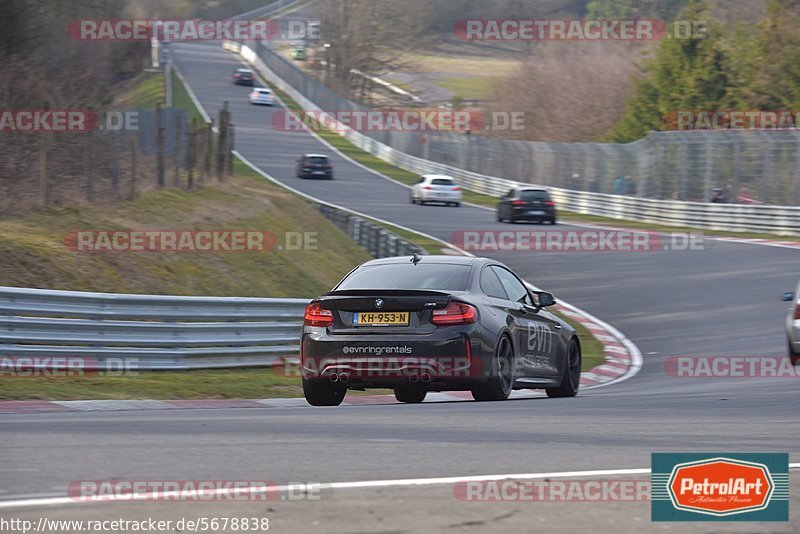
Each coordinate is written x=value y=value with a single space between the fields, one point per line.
x=315 y=166
x=262 y=96
x=793 y=325
x=435 y=323
x=436 y=188
x=243 y=77
x=299 y=52
x=527 y=204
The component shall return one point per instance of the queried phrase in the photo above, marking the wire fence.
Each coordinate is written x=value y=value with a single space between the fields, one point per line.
x=748 y=167
x=164 y=149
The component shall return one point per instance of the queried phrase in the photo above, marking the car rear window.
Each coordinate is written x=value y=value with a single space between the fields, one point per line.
x=442 y=181
x=318 y=161
x=534 y=195
x=432 y=276
x=264 y=91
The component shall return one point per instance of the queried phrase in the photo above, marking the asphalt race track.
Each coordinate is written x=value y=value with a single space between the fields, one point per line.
x=721 y=301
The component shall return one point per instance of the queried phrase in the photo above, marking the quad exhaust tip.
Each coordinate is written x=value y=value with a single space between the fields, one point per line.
x=425 y=377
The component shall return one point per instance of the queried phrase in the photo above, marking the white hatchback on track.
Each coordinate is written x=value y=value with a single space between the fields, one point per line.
x=263 y=96
x=436 y=188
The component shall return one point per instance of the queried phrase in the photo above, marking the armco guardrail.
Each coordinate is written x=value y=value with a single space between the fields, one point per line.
x=377 y=241
x=148 y=332
x=780 y=220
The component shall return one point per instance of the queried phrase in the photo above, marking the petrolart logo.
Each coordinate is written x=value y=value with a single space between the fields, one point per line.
x=720 y=487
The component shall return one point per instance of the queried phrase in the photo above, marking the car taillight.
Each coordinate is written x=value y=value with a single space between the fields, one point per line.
x=519 y=203
x=237 y=75
x=549 y=203
x=456 y=188
x=427 y=187
x=797 y=311
x=316 y=316
x=454 y=314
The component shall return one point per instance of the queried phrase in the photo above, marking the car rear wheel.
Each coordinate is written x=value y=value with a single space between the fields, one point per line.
x=500 y=384
x=794 y=356
x=410 y=394
x=571 y=379
x=323 y=393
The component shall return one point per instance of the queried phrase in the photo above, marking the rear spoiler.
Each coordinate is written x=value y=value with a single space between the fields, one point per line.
x=386 y=293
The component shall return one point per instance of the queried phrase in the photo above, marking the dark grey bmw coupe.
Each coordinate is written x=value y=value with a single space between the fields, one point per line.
x=436 y=323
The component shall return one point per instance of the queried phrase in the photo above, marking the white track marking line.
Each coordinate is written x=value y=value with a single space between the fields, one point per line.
x=364 y=484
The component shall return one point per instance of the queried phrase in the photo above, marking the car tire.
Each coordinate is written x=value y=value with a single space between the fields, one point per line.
x=411 y=198
x=794 y=356
x=571 y=379
x=501 y=381
x=323 y=393
x=457 y=204
x=553 y=222
x=410 y=394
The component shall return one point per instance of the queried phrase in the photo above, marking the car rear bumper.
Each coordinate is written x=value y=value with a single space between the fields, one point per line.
x=448 y=362
x=441 y=197
x=528 y=214
x=316 y=174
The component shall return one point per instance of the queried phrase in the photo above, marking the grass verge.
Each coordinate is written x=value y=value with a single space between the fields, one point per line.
x=470 y=87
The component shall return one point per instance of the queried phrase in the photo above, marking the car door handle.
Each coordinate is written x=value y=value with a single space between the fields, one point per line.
x=557 y=326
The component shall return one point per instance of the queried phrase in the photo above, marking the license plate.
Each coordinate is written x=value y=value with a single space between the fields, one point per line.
x=381 y=319
x=535 y=213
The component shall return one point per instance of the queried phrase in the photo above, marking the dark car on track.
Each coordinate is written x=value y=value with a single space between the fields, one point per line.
x=527 y=204
x=315 y=166
x=243 y=77
x=436 y=323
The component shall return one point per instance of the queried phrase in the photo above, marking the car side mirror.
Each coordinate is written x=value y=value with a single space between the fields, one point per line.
x=788 y=297
x=546 y=300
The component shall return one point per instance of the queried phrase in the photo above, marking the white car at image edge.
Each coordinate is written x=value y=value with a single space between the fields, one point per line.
x=262 y=95
x=793 y=325
x=436 y=188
